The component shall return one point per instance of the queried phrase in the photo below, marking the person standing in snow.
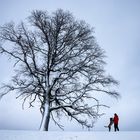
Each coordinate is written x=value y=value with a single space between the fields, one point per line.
x=116 y=120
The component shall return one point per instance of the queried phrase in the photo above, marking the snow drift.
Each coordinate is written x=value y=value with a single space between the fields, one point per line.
x=94 y=135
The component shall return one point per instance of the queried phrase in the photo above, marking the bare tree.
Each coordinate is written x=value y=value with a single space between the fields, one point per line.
x=59 y=64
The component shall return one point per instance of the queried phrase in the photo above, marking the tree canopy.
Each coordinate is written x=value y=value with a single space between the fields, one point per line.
x=58 y=63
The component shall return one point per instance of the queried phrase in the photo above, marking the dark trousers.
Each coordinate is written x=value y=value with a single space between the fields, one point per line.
x=116 y=127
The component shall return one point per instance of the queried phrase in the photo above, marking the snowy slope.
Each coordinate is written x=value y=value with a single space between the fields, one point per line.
x=37 y=135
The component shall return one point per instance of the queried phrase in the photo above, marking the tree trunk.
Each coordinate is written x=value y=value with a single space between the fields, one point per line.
x=45 y=119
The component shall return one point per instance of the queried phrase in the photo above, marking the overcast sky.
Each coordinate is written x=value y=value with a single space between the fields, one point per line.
x=117 y=28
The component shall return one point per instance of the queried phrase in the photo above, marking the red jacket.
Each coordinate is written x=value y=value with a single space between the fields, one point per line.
x=116 y=119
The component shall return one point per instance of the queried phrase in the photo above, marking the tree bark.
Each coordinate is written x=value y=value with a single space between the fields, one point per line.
x=45 y=119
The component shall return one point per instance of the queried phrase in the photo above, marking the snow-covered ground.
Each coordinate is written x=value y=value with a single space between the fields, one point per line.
x=37 y=135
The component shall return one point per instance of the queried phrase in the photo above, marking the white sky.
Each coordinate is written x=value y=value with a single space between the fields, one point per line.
x=117 y=27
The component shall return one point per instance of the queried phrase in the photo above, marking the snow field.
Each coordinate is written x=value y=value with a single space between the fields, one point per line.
x=94 y=135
